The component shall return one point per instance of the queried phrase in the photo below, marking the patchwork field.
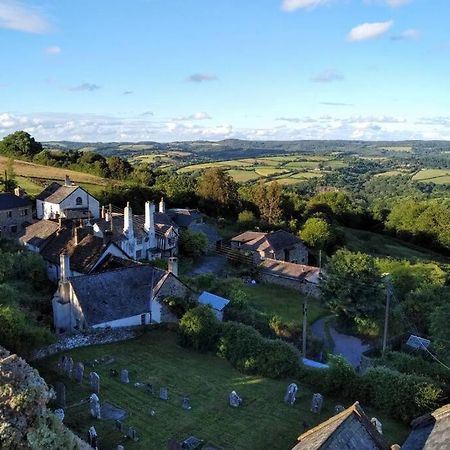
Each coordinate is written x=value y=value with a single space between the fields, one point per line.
x=437 y=176
x=286 y=170
x=263 y=422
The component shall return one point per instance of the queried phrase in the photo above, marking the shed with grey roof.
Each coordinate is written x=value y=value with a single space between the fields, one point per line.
x=216 y=302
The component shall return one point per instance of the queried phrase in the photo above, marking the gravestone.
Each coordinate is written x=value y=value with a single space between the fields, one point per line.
x=68 y=366
x=79 y=372
x=186 y=404
x=291 y=392
x=120 y=447
x=377 y=424
x=124 y=376
x=60 y=390
x=94 y=380
x=164 y=393
x=94 y=403
x=132 y=433
x=152 y=412
x=234 y=399
x=92 y=437
x=59 y=413
x=338 y=409
x=149 y=388
x=316 y=403
x=113 y=373
x=61 y=363
x=119 y=426
x=138 y=385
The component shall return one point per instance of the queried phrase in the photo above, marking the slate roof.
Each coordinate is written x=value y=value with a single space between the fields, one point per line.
x=183 y=217
x=430 y=432
x=216 y=302
x=248 y=236
x=112 y=262
x=117 y=294
x=208 y=230
x=349 y=430
x=56 y=193
x=258 y=241
x=49 y=190
x=11 y=201
x=291 y=270
x=38 y=233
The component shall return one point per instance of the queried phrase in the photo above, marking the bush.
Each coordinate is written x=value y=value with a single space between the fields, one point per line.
x=192 y=244
x=199 y=329
x=339 y=378
x=180 y=305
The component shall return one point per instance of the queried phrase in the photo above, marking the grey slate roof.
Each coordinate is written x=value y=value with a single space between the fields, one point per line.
x=291 y=270
x=49 y=190
x=430 y=432
x=213 y=300
x=56 y=193
x=183 y=217
x=38 y=233
x=118 y=294
x=208 y=230
x=258 y=241
x=11 y=201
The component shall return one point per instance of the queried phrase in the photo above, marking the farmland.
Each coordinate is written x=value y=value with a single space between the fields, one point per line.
x=263 y=421
x=437 y=176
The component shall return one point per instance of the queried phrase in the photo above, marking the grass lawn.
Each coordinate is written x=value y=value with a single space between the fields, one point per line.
x=287 y=303
x=263 y=422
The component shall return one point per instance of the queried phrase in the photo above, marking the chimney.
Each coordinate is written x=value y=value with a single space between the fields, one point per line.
x=173 y=265
x=128 y=221
x=77 y=235
x=103 y=212
x=67 y=181
x=18 y=191
x=64 y=267
x=162 y=206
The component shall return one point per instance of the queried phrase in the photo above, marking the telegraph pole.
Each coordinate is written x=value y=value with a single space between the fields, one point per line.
x=386 y=316
x=305 y=322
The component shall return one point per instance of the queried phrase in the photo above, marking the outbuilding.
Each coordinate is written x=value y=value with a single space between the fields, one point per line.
x=216 y=302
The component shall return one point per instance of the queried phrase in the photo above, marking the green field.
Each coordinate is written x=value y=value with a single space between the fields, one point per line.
x=437 y=176
x=263 y=422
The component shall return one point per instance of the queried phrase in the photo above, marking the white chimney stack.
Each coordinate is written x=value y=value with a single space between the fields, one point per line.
x=173 y=265
x=149 y=224
x=64 y=267
x=128 y=221
x=162 y=206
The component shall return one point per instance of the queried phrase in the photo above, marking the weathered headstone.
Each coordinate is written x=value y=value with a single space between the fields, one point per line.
x=186 y=404
x=60 y=390
x=59 y=413
x=94 y=380
x=78 y=372
x=164 y=393
x=68 y=366
x=234 y=399
x=124 y=376
x=120 y=447
x=119 y=426
x=149 y=388
x=92 y=437
x=94 y=403
x=377 y=424
x=291 y=392
x=61 y=363
x=316 y=403
x=338 y=409
x=132 y=433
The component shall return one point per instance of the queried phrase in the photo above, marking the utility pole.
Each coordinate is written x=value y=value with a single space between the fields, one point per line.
x=305 y=322
x=386 y=316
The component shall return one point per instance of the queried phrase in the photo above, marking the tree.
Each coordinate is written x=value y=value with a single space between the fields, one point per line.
x=9 y=182
x=352 y=286
x=218 y=191
x=192 y=244
x=119 y=168
x=246 y=219
x=316 y=233
x=20 y=144
x=268 y=200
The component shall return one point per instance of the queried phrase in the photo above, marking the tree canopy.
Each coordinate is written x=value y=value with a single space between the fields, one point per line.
x=20 y=144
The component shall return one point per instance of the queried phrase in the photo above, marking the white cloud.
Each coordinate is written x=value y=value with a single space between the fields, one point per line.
x=327 y=76
x=407 y=35
x=367 y=31
x=16 y=16
x=85 y=87
x=53 y=50
x=195 y=116
x=292 y=5
x=201 y=77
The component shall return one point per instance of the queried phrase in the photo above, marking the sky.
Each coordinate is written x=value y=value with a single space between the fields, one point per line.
x=168 y=70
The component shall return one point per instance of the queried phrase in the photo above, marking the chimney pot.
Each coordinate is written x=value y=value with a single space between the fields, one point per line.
x=173 y=265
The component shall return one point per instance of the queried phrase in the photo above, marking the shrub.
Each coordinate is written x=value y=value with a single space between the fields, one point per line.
x=199 y=329
x=180 y=305
x=192 y=244
x=339 y=378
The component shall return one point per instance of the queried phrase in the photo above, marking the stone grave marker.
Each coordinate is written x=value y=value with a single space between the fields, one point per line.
x=132 y=433
x=186 y=404
x=377 y=424
x=234 y=399
x=120 y=447
x=119 y=426
x=94 y=403
x=316 y=403
x=61 y=364
x=94 y=380
x=60 y=389
x=149 y=388
x=338 y=409
x=92 y=437
x=291 y=392
x=164 y=393
x=124 y=376
x=79 y=372
x=68 y=366
x=59 y=413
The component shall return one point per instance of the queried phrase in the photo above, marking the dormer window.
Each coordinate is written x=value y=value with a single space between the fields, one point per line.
x=79 y=201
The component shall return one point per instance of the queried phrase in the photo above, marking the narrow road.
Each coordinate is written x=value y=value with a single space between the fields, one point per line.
x=350 y=347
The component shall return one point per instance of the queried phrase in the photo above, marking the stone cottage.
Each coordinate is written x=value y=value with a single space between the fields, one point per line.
x=119 y=298
x=279 y=245
x=15 y=213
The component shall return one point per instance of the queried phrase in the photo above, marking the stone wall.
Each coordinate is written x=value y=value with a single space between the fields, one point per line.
x=304 y=287
x=18 y=216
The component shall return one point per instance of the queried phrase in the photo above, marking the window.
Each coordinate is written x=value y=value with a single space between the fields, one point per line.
x=79 y=201
x=24 y=212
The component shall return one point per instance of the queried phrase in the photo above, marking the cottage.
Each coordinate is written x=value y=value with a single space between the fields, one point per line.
x=15 y=213
x=143 y=237
x=124 y=297
x=67 y=201
x=217 y=303
x=279 y=245
x=54 y=238
x=305 y=279
x=351 y=430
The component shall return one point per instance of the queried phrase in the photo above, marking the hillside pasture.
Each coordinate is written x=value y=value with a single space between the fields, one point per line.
x=437 y=176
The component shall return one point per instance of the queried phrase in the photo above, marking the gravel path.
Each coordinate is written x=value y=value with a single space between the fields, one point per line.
x=350 y=347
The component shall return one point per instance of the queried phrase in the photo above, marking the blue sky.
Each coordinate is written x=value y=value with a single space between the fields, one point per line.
x=104 y=70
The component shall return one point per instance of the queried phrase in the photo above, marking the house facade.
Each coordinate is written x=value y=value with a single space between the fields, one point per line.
x=119 y=298
x=15 y=213
x=66 y=201
x=279 y=245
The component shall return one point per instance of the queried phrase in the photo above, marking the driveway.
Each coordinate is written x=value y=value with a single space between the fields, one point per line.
x=350 y=347
x=209 y=264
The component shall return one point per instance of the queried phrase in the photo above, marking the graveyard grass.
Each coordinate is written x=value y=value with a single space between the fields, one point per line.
x=263 y=422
